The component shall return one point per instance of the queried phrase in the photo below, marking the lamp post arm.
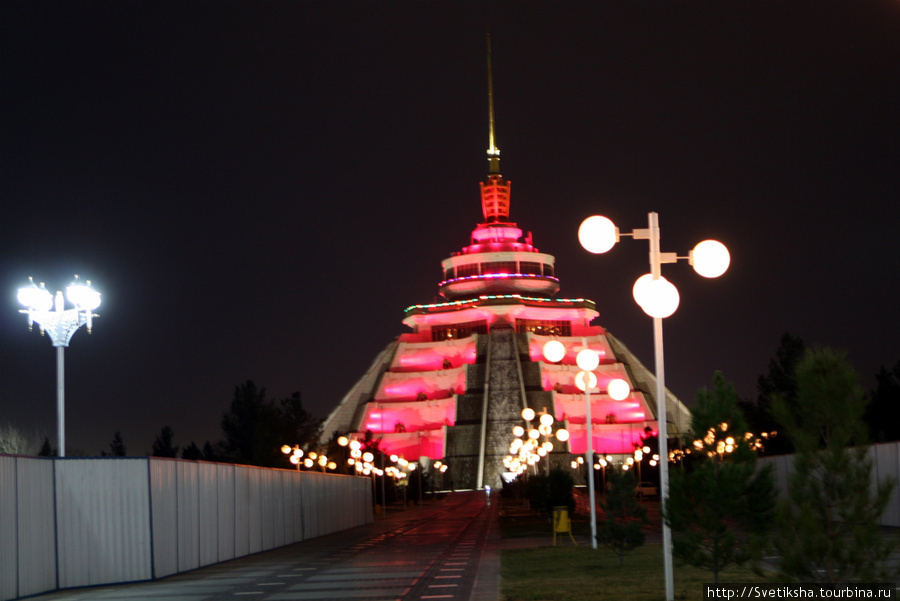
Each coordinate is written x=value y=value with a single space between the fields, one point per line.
x=655 y=263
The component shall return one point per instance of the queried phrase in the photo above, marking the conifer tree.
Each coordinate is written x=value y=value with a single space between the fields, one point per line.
x=828 y=523
x=720 y=505
x=117 y=446
x=622 y=530
x=163 y=444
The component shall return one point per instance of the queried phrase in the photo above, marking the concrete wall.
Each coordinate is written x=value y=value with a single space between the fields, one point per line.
x=885 y=459
x=85 y=522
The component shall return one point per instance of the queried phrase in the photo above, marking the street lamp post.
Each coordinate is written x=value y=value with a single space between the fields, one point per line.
x=60 y=325
x=295 y=452
x=659 y=299
x=587 y=360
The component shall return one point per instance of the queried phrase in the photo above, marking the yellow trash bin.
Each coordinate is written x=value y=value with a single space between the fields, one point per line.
x=561 y=523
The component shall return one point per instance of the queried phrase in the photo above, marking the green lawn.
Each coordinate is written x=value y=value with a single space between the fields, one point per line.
x=566 y=573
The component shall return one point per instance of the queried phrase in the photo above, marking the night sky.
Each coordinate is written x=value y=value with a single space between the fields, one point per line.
x=259 y=189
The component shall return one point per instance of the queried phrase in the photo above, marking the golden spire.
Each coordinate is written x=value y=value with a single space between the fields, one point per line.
x=493 y=151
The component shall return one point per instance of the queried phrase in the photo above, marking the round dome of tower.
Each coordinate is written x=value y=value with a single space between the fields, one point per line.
x=499 y=260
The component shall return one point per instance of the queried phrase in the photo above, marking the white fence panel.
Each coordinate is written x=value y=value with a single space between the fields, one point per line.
x=290 y=515
x=254 y=509
x=164 y=516
x=9 y=562
x=84 y=522
x=103 y=521
x=241 y=511
x=311 y=510
x=267 y=491
x=36 y=534
x=886 y=462
x=225 y=516
x=885 y=465
x=188 y=517
x=208 y=517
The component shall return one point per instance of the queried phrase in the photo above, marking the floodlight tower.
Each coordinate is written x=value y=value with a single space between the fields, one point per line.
x=60 y=325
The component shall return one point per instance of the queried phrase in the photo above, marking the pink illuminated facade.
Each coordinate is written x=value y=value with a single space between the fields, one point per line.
x=453 y=386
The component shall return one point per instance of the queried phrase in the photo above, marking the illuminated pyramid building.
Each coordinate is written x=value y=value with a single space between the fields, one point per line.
x=453 y=388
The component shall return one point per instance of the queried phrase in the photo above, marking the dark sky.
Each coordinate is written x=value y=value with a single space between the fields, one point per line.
x=260 y=188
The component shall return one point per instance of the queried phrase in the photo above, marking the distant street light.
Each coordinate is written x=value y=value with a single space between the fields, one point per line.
x=587 y=360
x=659 y=299
x=295 y=452
x=60 y=325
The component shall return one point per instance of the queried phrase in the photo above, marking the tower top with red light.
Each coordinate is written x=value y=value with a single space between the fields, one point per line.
x=494 y=192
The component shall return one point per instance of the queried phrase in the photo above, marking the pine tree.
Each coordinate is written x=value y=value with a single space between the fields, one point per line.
x=162 y=446
x=828 y=524
x=720 y=505
x=46 y=449
x=622 y=530
x=117 y=446
x=192 y=452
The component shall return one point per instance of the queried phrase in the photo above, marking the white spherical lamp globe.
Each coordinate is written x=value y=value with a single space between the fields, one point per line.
x=657 y=297
x=640 y=290
x=562 y=435
x=618 y=389
x=710 y=258
x=546 y=419
x=588 y=359
x=585 y=380
x=554 y=351
x=597 y=234
x=528 y=414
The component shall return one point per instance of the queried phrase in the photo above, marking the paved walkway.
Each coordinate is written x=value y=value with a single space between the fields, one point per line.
x=442 y=551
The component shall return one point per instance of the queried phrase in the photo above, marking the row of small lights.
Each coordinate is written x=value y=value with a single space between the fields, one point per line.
x=362 y=461
x=312 y=458
x=491 y=297
x=502 y=275
x=605 y=461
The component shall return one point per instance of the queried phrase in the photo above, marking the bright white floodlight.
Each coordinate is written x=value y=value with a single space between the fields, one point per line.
x=598 y=234
x=83 y=295
x=710 y=258
x=588 y=359
x=35 y=297
x=658 y=298
x=618 y=389
x=554 y=351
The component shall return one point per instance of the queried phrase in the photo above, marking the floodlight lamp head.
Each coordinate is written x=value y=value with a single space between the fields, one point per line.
x=82 y=295
x=598 y=234
x=36 y=298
